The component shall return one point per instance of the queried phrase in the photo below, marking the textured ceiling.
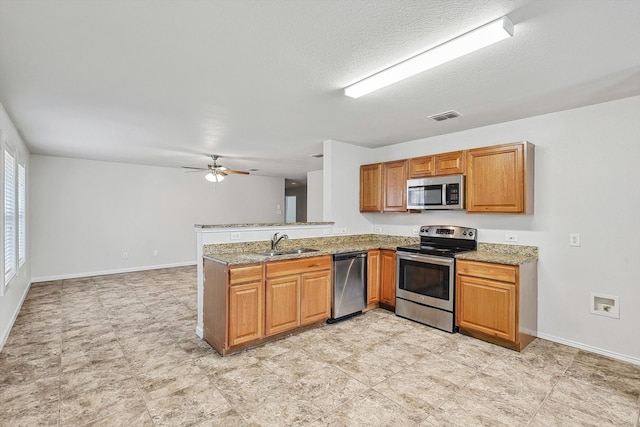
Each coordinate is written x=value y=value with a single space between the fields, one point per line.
x=167 y=82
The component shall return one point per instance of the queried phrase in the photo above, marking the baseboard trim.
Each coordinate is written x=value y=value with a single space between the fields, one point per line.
x=5 y=334
x=200 y=332
x=585 y=347
x=106 y=272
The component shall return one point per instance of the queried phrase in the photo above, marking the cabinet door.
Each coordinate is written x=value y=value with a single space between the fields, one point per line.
x=388 y=277
x=495 y=179
x=315 y=297
x=486 y=306
x=245 y=312
x=395 y=186
x=282 y=304
x=421 y=167
x=373 y=276
x=449 y=163
x=371 y=188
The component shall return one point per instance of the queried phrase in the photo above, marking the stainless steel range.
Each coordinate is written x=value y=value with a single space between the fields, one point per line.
x=425 y=281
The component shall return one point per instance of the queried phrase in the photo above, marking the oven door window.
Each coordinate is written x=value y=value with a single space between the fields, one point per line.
x=426 y=279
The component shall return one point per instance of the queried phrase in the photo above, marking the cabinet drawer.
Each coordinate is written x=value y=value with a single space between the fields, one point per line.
x=501 y=272
x=297 y=266
x=245 y=274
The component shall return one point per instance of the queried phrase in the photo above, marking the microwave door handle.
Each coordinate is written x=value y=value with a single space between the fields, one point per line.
x=444 y=194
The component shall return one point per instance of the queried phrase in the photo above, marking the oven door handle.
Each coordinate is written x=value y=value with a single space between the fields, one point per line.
x=425 y=258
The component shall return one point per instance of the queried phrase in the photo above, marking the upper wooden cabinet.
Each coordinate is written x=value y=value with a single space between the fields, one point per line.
x=421 y=167
x=500 y=178
x=449 y=163
x=383 y=187
x=438 y=164
x=371 y=188
x=395 y=186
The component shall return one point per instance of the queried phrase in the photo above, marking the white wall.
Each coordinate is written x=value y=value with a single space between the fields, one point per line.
x=18 y=287
x=341 y=184
x=314 y=196
x=587 y=181
x=85 y=214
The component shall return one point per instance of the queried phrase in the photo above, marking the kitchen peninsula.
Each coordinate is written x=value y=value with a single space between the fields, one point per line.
x=251 y=296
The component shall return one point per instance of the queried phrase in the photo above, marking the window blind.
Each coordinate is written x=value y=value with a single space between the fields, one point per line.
x=22 y=217
x=9 y=216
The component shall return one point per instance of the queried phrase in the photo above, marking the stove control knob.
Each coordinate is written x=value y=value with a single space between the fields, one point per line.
x=471 y=234
x=464 y=233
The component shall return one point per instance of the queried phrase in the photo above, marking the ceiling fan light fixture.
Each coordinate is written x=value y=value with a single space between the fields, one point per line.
x=213 y=177
x=482 y=36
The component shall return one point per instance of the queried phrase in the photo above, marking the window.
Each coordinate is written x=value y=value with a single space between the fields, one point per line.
x=9 y=215
x=22 y=217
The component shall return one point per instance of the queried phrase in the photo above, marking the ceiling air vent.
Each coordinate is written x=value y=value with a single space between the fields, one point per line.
x=451 y=114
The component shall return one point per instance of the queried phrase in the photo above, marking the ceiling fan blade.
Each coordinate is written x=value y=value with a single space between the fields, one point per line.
x=237 y=172
x=195 y=169
x=221 y=172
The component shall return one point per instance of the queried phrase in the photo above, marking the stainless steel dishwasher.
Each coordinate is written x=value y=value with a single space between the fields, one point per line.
x=349 y=285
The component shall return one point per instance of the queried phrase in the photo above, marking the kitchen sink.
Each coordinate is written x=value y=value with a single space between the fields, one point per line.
x=288 y=252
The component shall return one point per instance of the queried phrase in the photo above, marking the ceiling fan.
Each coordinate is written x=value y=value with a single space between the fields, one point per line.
x=216 y=172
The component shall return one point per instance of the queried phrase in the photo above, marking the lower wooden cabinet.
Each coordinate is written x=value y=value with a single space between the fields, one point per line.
x=298 y=293
x=244 y=306
x=373 y=277
x=497 y=302
x=315 y=297
x=388 y=277
x=245 y=312
x=282 y=304
x=233 y=305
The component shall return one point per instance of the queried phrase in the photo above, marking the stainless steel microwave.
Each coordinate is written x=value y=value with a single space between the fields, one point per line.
x=440 y=192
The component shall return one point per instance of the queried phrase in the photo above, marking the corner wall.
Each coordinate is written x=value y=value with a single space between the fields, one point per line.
x=18 y=287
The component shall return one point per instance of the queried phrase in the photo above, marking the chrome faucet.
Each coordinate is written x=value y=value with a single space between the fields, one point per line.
x=275 y=240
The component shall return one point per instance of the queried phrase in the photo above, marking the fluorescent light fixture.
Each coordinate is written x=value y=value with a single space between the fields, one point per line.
x=483 y=36
x=213 y=177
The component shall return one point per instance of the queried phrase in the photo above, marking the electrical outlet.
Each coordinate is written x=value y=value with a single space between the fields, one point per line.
x=511 y=238
x=574 y=239
x=343 y=231
x=377 y=229
x=125 y=255
x=415 y=231
x=155 y=252
x=235 y=236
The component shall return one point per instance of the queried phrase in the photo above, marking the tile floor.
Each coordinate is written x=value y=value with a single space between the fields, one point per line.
x=121 y=350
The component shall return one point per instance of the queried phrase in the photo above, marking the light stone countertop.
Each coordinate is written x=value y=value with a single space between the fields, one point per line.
x=249 y=252
x=268 y=224
x=502 y=254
